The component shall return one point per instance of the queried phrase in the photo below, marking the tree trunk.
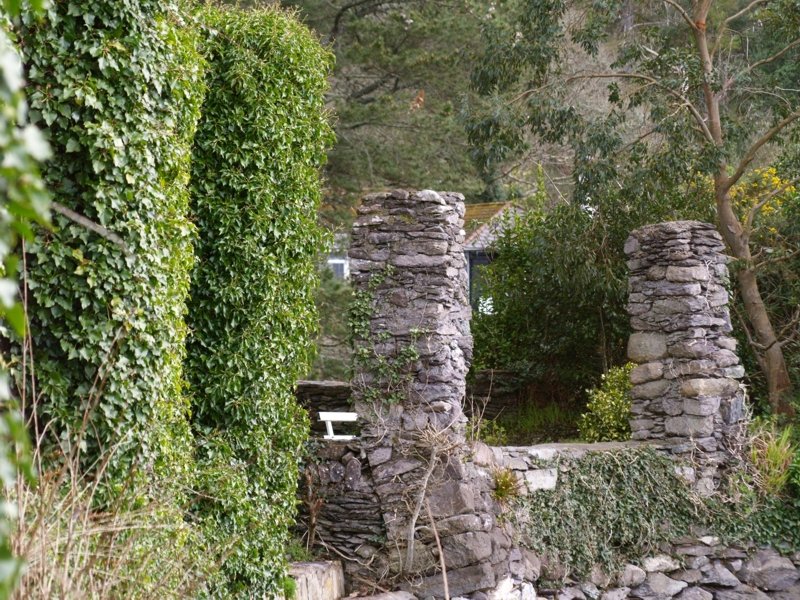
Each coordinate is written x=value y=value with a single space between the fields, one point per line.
x=772 y=361
x=766 y=344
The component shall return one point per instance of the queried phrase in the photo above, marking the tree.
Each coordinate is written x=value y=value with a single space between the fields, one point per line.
x=699 y=89
x=402 y=70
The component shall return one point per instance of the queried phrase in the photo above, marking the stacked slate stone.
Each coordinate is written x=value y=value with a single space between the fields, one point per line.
x=338 y=507
x=686 y=392
x=412 y=242
x=317 y=396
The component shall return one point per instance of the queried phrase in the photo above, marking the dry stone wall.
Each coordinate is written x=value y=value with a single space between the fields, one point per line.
x=686 y=392
x=413 y=352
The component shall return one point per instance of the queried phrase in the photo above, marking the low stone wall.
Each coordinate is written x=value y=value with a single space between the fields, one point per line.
x=533 y=464
x=697 y=567
x=316 y=396
x=693 y=568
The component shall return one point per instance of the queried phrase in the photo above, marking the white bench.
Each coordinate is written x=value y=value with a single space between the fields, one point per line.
x=337 y=417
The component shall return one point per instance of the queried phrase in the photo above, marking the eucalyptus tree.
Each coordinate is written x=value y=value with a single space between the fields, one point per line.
x=698 y=95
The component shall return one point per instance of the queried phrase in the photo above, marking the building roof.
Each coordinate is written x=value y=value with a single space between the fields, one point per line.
x=482 y=223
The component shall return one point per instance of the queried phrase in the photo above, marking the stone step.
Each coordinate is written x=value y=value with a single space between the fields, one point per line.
x=323 y=580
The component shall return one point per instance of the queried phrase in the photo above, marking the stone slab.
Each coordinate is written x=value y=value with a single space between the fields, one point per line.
x=322 y=580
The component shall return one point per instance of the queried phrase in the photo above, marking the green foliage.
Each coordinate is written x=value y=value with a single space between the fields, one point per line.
x=255 y=192
x=120 y=99
x=609 y=408
x=643 y=141
x=772 y=453
x=506 y=485
x=608 y=508
x=558 y=286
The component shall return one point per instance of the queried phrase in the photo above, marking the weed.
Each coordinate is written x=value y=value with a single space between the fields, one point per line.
x=771 y=455
x=506 y=485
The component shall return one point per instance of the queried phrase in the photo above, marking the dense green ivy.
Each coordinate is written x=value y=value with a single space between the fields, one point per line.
x=255 y=192
x=613 y=507
x=118 y=87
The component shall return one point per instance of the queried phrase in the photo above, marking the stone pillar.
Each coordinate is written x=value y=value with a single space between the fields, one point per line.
x=686 y=393
x=412 y=351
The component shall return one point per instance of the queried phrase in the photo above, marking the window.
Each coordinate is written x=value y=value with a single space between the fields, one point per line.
x=340 y=267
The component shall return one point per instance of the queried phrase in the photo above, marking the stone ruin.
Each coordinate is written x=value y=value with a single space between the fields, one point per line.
x=409 y=496
x=407 y=261
x=686 y=394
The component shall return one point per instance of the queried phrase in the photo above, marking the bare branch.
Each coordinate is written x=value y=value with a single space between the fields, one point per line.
x=759 y=63
x=743 y=12
x=757 y=348
x=682 y=12
x=778 y=259
x=91 y=225
x=642 y=77
x=792 y=326
x=753 y=150
x=726 y=23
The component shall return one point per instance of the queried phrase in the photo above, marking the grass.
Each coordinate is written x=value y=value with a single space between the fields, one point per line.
x=532 y=424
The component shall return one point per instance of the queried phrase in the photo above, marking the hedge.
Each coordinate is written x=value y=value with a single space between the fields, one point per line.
x=255 y=192
x=118 y=87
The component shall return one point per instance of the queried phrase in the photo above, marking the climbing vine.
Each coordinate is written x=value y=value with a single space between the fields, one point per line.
x=255 y=192
x=118 y=87
x=392 y=370
x=618 y=506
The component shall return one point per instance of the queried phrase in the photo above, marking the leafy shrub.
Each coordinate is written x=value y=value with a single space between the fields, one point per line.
x=118 y=86
x=255 y=192
x=609 y=408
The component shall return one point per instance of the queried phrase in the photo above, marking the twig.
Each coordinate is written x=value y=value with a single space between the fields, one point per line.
x=412 y=522
x=439 y=547
x=91 y=225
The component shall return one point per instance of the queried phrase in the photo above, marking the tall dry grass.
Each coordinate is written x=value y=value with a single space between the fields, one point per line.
x=78 y=545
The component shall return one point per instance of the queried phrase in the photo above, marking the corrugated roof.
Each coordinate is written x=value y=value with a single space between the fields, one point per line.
x=479 y=214
x=481 y=225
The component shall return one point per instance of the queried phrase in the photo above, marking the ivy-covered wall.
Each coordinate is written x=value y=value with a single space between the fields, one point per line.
x=255 y=192
x=117 y=85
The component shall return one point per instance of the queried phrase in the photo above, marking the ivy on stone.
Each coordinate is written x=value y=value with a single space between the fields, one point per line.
x=117 y=85
x=255 y=193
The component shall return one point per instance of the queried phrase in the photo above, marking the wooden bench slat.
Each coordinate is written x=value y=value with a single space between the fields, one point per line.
x=338 y=416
